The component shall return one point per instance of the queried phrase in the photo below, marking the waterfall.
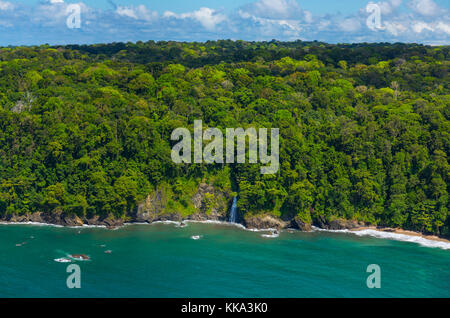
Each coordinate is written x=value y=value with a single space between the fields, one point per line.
x=233 y=211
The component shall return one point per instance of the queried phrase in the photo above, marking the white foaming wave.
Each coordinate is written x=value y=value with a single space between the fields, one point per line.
x=392 y=236
x=164 y=222
x=261 y=230
x=30 y=223
x=217 y=222
x=404 y=238
x=270 y=235
x=86 y=226
x=318 y=229
x=53 y=225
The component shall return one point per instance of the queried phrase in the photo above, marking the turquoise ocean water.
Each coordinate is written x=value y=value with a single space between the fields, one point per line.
x=161 y=260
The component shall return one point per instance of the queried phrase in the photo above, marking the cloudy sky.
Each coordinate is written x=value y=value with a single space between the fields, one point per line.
x=33 y=22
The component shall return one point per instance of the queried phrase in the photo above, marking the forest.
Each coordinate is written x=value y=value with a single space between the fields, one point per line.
x=364 y=128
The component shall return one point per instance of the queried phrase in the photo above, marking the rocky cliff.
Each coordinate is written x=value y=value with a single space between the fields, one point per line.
x=207 y=203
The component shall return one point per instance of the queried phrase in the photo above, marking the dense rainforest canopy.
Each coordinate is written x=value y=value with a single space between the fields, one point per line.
x=365 y=130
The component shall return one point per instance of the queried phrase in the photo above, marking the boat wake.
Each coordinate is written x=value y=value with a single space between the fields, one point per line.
x=63 y=260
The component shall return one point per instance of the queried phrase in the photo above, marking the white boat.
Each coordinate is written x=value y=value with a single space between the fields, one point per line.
x=195 y=237
x=62 y=260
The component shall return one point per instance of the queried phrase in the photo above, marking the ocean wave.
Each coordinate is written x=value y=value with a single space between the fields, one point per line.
x=217 y=222
x=84 y=226
x=53 y=225
x=404 y=238
x=318 y=229
x=392 y=236
x=30 y=223
x=273 y=235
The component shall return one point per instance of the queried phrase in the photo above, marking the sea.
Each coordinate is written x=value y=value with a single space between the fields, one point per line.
x=217 y=260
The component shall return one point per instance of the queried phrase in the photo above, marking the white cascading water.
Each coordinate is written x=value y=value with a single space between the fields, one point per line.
x=233 y=211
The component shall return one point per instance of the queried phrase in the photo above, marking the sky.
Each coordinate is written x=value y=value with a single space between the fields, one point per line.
x=36 y=22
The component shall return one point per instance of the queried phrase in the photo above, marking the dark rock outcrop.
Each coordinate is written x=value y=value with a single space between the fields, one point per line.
x=338 y=224
x=210 y=203
x=264 y=221
x=152 y=207
x=301 y=225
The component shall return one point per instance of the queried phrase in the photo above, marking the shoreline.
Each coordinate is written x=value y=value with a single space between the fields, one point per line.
x=401 y=232
x=395 y=234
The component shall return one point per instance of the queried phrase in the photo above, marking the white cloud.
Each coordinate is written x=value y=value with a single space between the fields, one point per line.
x=275 y=9
x=419 y=21
x=6 y=5
x=350 y=25
x=308 y=17
x=425 y=7
x=138 y=13
x=388 y=7
x=418 y=27
x=395 y=28
x=208 y=18
x=271 y=26
x=445 y=27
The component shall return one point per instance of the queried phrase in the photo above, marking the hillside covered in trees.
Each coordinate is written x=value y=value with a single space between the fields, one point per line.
x=365 y=130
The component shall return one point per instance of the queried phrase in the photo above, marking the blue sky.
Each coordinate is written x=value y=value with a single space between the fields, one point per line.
x=33 y=22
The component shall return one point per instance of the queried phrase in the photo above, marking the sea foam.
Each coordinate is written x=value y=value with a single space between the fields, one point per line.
x=404 y=238
x=393 y=236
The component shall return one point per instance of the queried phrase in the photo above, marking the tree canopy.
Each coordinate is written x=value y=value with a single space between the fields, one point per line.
x=365 y=130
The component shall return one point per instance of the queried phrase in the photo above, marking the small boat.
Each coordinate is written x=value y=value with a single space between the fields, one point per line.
x=108 y=252
x=182 y=224
x=195 y=237
x=62 y=260
x=80 y=257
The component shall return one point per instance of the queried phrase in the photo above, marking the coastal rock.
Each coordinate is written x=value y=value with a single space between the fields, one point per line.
x=338 y=224
x=305 y=227
x=176 y=217
x=72 y=220
x=265 y=221
x=18 y=218
x=94 y=220
x=36 y=217
x=210 y=203
x=153 y=205
x=111 y=222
